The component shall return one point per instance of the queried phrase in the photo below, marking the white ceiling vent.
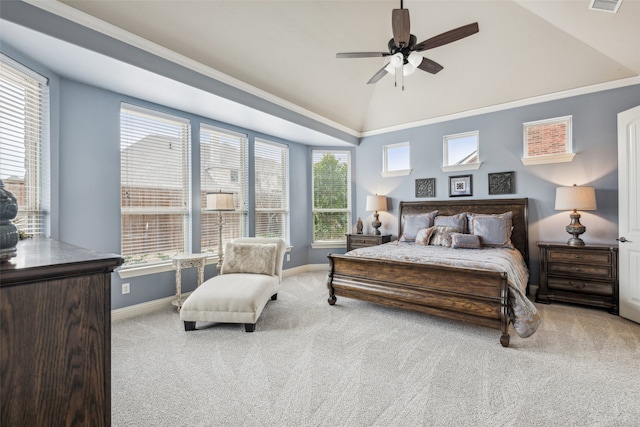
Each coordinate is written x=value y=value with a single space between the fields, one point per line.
x=605 y=5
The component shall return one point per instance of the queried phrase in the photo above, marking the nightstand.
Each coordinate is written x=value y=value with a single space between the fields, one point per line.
x=355 y=241
x=585 y=275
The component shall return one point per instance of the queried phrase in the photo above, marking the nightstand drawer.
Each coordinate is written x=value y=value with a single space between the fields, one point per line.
x=363 y=241
x=581 y=270
x=580 y=256
x=582 y=286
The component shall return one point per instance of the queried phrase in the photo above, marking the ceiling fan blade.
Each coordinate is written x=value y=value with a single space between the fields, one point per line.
x=401 y=27
x=377 y=76
x=430 y=66
x=362 y=54
x=448 y=37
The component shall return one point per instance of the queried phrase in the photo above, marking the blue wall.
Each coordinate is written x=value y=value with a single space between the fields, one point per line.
x=501 y=147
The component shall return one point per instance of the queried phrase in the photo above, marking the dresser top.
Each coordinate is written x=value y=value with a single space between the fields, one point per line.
x=560 y=245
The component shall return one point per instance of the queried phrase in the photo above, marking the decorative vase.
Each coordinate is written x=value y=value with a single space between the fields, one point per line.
x=8 y=231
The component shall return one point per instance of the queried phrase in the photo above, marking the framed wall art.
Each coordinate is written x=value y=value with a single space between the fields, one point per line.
x=460 y=185
x=426 y=187
x=501 y=183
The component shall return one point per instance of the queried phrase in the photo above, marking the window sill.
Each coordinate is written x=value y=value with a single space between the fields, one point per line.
x=387 y=174
x=456 y=168
x=329 y=245
x=553 y=158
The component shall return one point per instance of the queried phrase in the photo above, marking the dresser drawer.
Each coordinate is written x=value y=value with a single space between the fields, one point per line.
x=581 y=270
x=582 y=286
x=579 y=256
x=363 y=241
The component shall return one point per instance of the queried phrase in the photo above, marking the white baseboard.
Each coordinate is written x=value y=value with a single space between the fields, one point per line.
x=163 y=303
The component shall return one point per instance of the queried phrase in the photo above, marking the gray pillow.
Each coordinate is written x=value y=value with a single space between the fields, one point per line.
x=413 y=223
x=256 y=258
x=465 y=241
x=494 y=230
x=458 y=220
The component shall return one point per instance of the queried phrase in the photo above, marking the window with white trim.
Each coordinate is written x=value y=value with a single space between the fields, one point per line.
x=461 y=151
x=24 y=111
x=271 y=189
x=224 y=162
x=331 y=195
x=548 y=141
x=154 y=185
x=396 y=159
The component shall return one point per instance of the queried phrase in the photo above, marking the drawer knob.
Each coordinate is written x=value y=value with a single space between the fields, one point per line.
x=578 y=256
x=577 y=269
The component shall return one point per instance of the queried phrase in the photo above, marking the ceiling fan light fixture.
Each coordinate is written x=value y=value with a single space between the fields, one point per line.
x=414 y=59
x=396 y=60
x=408 y=69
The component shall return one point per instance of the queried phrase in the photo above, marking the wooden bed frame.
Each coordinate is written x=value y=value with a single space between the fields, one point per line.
x=474 y=296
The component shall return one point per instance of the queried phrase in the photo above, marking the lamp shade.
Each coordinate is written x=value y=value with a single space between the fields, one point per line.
x=220 y=201
x=376 y=203
x=579 y=198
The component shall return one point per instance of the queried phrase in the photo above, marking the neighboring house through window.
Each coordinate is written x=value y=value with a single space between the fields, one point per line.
x=155 y=203
x=24 y=111
x=548 y=141
x=331 y=196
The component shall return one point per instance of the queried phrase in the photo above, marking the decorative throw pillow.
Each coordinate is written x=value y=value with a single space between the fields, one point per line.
x=411 y=224
x=256 y=258
x=458 y=220
x=424 y=235
x=495 y=230
x=442 y=235
x=465 y=241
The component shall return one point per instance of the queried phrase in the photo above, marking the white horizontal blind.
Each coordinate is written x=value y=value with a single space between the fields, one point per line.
x=154 y=182
x=223 y=167
x=24 y=110
x=331 y=195
x=272 y=189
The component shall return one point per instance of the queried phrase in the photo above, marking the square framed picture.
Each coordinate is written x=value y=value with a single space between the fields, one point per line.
x=460 y=185
x=501 y=183
x=426 y=187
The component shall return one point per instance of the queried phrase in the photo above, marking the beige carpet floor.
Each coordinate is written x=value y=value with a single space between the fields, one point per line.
x=361 y=364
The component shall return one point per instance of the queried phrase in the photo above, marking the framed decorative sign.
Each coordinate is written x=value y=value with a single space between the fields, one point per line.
x=426 y=187
x=501 y=183
x=460 y=186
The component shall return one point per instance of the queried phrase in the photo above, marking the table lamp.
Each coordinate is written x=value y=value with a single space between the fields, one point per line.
x=376 y=203
x=220 y=202
x=574 y=198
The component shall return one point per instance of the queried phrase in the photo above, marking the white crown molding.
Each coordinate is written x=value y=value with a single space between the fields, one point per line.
x=117 y=33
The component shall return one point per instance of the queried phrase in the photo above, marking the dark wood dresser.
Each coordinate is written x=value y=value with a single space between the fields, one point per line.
x=55 y=326
x=355 y=241
x=585 y=275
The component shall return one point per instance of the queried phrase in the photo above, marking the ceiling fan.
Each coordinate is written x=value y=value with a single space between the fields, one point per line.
x=403 y=47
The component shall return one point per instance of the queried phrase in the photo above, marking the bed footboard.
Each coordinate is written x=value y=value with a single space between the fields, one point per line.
x=474 y=296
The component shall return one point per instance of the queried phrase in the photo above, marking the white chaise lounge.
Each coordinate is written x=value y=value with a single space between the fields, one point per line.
x=250 y=276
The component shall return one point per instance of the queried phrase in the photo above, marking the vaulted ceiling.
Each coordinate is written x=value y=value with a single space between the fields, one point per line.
x=286 y=51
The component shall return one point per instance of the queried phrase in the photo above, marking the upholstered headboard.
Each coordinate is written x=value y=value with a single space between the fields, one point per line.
x=519 y=236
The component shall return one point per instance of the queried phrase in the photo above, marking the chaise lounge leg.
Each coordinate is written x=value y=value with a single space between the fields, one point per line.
x=189 y=326
x=274 y=297
x=249 y=327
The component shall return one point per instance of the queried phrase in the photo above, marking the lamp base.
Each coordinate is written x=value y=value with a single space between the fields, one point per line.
x=575 y=229
x=376 y=224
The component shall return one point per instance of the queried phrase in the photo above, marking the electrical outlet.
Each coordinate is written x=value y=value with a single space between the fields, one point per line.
x=288 y=257
x=126 y=288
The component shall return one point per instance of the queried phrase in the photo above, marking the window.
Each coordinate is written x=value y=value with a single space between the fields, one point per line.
x=154 y=185
x=547 y=141
x=272 y=189
x=223 y=167
x=396 y=160
x=24 y=109
x=331 y=196
x=461 y=152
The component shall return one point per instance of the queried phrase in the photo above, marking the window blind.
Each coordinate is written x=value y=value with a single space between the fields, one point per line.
x=271 y=189
x=331 y=195
x=154 y=183
x=223 y=167
x=24 y=111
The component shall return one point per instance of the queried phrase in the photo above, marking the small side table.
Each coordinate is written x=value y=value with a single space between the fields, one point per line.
x=187 y=261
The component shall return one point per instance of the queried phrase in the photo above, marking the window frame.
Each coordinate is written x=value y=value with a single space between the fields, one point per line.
x=446 y=167
x=568 y=154
x=283 y=151
x=349 y=209
x=386 y=149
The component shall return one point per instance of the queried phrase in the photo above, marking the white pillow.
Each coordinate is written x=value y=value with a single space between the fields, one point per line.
x=256 y=258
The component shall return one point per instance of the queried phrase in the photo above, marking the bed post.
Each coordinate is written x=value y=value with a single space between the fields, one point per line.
x=504 y=312
x=332 y=294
